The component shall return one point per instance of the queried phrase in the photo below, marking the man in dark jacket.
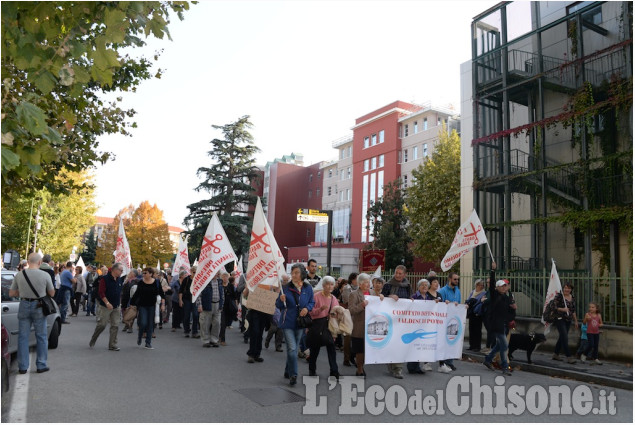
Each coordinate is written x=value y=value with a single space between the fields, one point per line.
x=500 y=312
x=110 y=311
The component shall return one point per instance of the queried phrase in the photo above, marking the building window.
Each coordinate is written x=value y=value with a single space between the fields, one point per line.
x=425 y=124
x=415 y=127
x=405 y=130
x=310 y=177
x=317 y=192
x=341 y=196
x=438 y=121
x=348 y=194
x=425 y=150
x=381 y=161
x=373 y=140
x=366 y=142
x=381 y=136
x=328 y=191
x=350 y=151
x=405 y=181
x=405 y=155
x=348 y=175
x=319 y=174
x=342 y=174
x=366 y=164
x=330 y=173
x=308 y=232
x=310 y=193
x=415 y=152
x=341 y=153
x=373 y=163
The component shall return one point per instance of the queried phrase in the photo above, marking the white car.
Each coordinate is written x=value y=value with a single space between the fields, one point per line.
x=10 y=307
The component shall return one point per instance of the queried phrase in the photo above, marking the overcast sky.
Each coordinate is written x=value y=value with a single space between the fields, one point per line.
x=303 y=70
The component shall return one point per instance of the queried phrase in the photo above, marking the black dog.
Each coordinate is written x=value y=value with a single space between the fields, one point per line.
x=525 y=342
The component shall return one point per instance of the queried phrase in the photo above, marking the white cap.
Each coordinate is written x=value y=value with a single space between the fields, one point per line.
x=501 y=283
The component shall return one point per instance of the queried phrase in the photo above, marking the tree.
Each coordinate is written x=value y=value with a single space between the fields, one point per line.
x=390 y=226
x=90 y=247
x=228 y=180
x=433 y=200
x=58 y=61
x=147 y=234
x=64 y=218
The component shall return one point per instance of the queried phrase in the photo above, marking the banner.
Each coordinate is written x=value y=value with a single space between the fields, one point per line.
x=370 y=259
x=266 y=263
x=262 y=300
x=413 y=331
x=216 y=251
x=553 y=288
x=182 y=258
x=122 y=249
x=469 y=236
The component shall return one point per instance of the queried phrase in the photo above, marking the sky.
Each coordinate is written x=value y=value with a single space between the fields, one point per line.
x=302 y=70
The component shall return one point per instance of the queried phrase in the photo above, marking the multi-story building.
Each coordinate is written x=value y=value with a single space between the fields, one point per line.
x=101 y=223
x=547 y=136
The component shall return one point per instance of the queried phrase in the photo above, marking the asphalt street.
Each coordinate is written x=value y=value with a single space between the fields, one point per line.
x=181 y=381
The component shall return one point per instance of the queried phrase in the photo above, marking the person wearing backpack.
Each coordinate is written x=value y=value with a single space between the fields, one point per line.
x=474 y=314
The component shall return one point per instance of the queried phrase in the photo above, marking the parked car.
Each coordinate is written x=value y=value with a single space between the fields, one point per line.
x=10 y=306
x=6 y=359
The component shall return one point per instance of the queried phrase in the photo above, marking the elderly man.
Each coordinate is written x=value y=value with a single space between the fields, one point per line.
x=66 y=290
x=30 y=285
x=110 y=286
x=395 y=288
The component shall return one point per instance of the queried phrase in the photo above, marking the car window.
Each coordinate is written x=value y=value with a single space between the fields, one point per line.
x=7 y=280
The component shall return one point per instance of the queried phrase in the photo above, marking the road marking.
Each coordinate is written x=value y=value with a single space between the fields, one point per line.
x=20 y=399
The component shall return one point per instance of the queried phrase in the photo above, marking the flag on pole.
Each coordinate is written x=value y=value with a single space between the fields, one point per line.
x=80 y=263
x=195 y=263
x=238 y=268
x=469 y=236
x=216 y=251
x=158 y=265
x=377 y=272
x=39 y=251
x=266 y=263
x=182 y=258
x=122 y=250
x=552 y=290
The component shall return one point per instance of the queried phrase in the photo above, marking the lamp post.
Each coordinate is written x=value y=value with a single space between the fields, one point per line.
x=38 y=226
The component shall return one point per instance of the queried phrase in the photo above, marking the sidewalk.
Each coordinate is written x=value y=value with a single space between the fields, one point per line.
x=610 y=374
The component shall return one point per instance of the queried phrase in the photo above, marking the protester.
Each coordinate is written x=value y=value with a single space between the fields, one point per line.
x=450 y=293
x=566 y=313
x=209 y=305
x=319 y=334
x=80 y=290
x=66 y=291
x=312 y=278
x=109 y=312
x=228 y=313
x=296 y=299
x=45 y=266
x=91 y=285
x=357 y=306
x=130 y=281
x=475 y=307
x=30 y=312
x=168 y=293
x=593 y=320
x=378 y=286
x=346 y=293
x=145 y=298
x=163 y=288
x=397 y=287
x=190 y=312
x=499 y=315
x=177 y=310
x=257 y=321
x=433 y=291
x=422 y=288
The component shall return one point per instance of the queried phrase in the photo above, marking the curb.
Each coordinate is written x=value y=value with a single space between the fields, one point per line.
x=562 y=373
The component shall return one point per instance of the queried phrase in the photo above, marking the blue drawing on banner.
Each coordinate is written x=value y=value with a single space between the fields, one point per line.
x=453 y=330
x=379 y=330
x=418 y=334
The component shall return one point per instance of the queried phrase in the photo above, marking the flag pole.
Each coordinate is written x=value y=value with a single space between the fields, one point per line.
x=490 y=252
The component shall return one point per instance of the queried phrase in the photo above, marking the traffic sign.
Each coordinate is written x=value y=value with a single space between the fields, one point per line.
x=314 y=216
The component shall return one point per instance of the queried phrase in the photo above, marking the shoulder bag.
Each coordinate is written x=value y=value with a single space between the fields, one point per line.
x=47 y=303
x=302 y=322
x=319 y=333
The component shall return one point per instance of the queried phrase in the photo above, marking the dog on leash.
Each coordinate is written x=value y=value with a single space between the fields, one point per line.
x=527 y=342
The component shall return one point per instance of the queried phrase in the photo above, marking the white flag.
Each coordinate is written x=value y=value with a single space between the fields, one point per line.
x=238 y=268
x=80 y=263
x=216 y=251
x=266 y=263
x=158 y=265
x=182 y=258
x=469 y=236
x=377 y=272
x=554 y=288
x=122 y=250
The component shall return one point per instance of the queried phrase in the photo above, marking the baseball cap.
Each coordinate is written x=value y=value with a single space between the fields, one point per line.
x=501 y=283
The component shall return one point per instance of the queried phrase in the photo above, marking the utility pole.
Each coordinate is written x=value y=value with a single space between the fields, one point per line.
x=38 y=225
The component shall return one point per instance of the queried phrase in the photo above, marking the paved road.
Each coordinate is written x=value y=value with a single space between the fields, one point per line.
x=180 y=381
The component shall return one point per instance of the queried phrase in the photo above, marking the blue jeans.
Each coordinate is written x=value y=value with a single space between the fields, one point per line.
x=499 y=347
x=90 y=306
x=594 y=344
x=29 y=314
x=292 y=337
x=65 y=297
x=563 y=337
x=145 y=320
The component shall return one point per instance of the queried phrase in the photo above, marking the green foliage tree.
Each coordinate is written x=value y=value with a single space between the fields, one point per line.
x=228 y=180
x=433 y=200
x=90 y=247
x=390 y=226
x=107 y=241
x=64 y=218
x=58 y=61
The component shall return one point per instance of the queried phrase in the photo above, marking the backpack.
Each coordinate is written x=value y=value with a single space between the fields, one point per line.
x=550 y=314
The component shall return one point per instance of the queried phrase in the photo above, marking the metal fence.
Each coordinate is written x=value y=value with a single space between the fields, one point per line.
x=613 y=294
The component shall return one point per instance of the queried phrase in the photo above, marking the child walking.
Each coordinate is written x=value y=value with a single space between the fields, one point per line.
x=593 y=320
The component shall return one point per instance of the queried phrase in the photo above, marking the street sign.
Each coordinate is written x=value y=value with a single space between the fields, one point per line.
x=314 y=216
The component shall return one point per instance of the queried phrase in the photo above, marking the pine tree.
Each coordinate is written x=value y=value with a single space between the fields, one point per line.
x=433 y=206
x=228 y=180
x=390 y=226
x=90 y=248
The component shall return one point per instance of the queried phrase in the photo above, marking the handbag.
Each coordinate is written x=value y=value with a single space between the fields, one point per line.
x=301 y=322
x=47 y=303
x=129 y=315
x=319 y=333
